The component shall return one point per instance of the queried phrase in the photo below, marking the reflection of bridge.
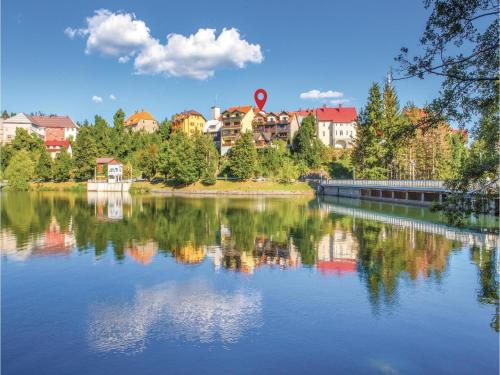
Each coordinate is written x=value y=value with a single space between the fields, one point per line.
x=468 y=237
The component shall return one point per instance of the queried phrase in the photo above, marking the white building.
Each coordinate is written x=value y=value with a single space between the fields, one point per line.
x=336 y=125
x=212 y=126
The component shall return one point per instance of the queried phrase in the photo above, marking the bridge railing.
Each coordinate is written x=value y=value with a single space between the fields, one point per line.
x=433 y=184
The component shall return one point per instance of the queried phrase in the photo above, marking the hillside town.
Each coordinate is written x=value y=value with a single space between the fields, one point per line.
x=336 y=126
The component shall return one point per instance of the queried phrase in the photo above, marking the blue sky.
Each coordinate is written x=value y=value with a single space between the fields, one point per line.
x=336 y=47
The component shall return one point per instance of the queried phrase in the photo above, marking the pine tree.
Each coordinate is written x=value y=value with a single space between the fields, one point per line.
x=84 y=154
x=62 y=166
x=369 y=151
x=243 y=157
x=43 y=168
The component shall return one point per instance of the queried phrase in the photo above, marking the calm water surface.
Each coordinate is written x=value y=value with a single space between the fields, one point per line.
x=120 y=284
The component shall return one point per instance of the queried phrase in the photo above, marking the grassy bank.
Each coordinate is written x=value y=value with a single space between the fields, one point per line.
x=58 y=186
x=254 y=187
x=237 y=187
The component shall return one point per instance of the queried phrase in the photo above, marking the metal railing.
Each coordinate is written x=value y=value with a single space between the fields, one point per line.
x=433 y=184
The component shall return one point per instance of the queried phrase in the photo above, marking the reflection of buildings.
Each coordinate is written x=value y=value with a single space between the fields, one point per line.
x=189 y=253
x=55 y=241
x=142 y=252
x=194 y=311
x=52 y=242
x=110 y=205
x=265 y=252
x=337 y=252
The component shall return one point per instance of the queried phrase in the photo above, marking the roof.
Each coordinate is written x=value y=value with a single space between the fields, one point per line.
x=336 y=114
x=52 y=121
x=65 y=143
x=240 y=108
x=138 y=116
x=105 y=160
x=181 y=116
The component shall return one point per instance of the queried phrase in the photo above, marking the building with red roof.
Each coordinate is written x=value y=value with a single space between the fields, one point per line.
x=336 y=126
x=235 y=120
x=54 y=147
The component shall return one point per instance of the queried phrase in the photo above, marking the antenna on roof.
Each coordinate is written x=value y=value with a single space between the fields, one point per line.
x=389 y=77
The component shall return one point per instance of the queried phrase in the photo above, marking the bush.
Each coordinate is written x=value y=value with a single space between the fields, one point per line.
x=20 y=170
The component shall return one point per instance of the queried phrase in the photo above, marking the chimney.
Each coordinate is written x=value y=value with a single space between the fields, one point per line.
x=340 y=105
x=215 y=112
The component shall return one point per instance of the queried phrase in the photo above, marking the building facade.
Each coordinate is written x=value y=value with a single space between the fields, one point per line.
x=189 y=122
x=48 y=128
x=336 y=126
x=141 y=120
x=54 y=147
x=213 y=126
x=235 y=120
x=273 y=126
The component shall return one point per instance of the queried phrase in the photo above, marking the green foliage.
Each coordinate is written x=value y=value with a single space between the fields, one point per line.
x=61 y=169
x=369 y=154
x=20 y=170
x=84 y=154
x=165 y=129
x=341 y=166
x=43 y=169
x=102 y=136
x=119 y=138
x=206 y=158
x=306 y=147
x=24 y=141
x=243 y=157
x=148 y=161
x=176 y=159
x=6 y=153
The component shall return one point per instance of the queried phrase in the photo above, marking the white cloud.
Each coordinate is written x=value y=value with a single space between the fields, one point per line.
x=339 y=101
x=112 y=97
x=316 y=94
x=197 y=56
x=96 y=99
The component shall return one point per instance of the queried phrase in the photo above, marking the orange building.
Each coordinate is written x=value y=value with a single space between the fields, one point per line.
x=141 y=120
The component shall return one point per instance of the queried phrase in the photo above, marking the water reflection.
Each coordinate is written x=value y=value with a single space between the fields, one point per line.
x=192 y=311
x=379 y=244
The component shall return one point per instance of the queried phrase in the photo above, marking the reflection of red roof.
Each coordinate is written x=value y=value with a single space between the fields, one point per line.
x=336 y=266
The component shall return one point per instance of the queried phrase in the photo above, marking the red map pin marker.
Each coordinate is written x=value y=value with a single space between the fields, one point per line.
x=260 y=97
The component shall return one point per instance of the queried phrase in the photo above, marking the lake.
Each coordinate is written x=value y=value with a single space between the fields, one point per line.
x=143 y=284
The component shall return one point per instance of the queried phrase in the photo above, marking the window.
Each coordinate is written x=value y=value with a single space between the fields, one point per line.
x=341 y=132
x=323 y=133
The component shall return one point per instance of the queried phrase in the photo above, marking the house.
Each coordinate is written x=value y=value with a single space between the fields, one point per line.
x=235 y=120
x=56 y=128
x=46 y=127
x=336 y=126
x=55 y=147
x=189 y=122
x=212 y=127
x=141 y=120
x=109 y=169
x=272 y=126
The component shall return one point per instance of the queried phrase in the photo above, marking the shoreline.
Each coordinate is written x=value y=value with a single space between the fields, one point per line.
x=232 y=192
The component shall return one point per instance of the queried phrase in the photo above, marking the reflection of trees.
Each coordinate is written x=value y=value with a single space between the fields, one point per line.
x=486 y=262
x=243 y=234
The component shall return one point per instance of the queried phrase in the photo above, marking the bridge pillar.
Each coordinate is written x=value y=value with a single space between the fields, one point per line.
x=422 y=197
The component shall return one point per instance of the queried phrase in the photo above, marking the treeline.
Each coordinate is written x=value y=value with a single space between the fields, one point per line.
x=395 y=143
x=162 y=154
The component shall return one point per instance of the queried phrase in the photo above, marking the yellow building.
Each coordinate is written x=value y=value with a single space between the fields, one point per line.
x=141 y=120
x=189 y=122
x=235 y=120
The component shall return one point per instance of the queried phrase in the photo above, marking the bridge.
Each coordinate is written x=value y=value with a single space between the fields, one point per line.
x=418 y=192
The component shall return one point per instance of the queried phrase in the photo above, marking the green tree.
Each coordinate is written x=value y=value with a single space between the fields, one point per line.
x=62 y=166
x=25 y=141
x=306 y=146
x=20 y=170
x=119 y=137
x=243 y=157
x=102 y=136
x=84 y=154
x=148 y=161
x=165 y=129
x=176 y=159
x=206 y=158
x=5 y=115
x=43 y=169
x=6 y=153
x=369 y=151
